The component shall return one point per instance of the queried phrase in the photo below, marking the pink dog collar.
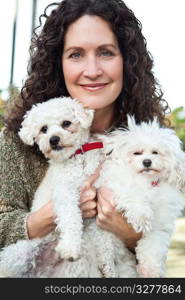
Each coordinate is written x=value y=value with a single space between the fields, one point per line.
x=155 y=183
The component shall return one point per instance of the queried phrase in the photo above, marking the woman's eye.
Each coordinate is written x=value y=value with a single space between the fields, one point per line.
x=44 y=129
x=106 y=53
x=75 y=55
x=66 y=124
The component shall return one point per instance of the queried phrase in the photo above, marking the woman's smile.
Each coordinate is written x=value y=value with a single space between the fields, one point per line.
x=94 y=87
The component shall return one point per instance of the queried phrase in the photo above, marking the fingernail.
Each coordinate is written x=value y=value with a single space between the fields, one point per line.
x=85 y=185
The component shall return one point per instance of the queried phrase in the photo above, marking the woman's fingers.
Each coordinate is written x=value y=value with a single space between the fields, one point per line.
x=88 y=201
x=89 y=208
x=89 y=214
x=91 y=179
x=87 y=195
x=106 y=200
x=105 y=207
x=41 y=222
x=89 y=205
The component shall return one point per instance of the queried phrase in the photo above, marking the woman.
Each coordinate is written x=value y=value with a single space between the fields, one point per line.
x=92 y=50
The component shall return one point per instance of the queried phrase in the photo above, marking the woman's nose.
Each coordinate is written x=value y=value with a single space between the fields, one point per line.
x=92 y=68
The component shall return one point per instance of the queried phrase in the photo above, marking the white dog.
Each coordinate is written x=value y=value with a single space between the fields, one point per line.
x=60 y=127
x=146 y=171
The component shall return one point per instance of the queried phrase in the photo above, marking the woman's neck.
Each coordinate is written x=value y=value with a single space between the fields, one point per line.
x=103 y=119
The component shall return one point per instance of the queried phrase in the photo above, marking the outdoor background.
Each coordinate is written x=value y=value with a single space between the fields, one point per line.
x=163 y=26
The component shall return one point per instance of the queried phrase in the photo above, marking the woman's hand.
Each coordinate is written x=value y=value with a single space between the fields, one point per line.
x=41 y=222
x=112 y=221
x=88 y=200
x=101 y=203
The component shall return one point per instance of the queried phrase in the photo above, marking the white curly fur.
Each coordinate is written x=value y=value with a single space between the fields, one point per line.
x=148 y=167
x=79 y=248
x=70 y=251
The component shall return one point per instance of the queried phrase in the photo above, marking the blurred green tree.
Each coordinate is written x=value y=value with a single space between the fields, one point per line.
x=13 y=92
x=2 y=108
x=177 y=118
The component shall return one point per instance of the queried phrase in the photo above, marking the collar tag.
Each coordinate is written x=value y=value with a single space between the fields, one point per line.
x=155 y=183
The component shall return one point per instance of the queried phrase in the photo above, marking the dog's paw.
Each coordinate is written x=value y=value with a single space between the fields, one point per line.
x=107 y=270
x=68 y=253
x=143 y=224
x=147 y=271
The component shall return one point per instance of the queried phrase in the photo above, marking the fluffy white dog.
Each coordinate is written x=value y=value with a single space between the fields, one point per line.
x=60 y=127
x=146 y=171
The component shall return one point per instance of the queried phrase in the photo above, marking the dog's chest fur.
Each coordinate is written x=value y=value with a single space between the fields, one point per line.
x=72 y=172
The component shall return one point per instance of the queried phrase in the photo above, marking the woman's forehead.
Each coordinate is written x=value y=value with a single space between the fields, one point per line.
x=88 y=30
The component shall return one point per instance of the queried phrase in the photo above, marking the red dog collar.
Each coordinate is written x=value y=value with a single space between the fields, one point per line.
x=89 y=146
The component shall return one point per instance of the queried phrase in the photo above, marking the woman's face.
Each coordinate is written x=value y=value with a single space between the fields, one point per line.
x=92 y=63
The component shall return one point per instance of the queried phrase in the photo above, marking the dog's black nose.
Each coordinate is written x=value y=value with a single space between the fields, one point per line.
x=54 y=140
x=147 y=163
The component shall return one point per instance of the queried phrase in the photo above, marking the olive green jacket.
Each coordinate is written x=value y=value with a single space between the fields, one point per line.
x=21 y=171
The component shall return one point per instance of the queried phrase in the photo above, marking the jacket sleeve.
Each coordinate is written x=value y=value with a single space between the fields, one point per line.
x=14 y=207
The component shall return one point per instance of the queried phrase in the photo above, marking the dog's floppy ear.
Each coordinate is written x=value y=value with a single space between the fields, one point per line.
x=177 y=175
x=177 y=160
x=83 y=115
x=29 y=129
x=180 y=182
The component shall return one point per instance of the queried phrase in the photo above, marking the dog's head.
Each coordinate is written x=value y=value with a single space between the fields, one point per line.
x=149 y=150
x=58 y=126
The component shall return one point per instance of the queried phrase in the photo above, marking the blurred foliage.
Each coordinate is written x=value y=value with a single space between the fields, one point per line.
x=2 y=108
x=177 y=118
x=12 y=93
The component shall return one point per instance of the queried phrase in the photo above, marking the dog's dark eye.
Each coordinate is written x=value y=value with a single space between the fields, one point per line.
x=44 y=129
x=66 y=124
x=137 y=153
x=154 y=152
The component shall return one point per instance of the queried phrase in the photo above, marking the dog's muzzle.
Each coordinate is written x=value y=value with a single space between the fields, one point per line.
x=147 y=163
x=54 y=142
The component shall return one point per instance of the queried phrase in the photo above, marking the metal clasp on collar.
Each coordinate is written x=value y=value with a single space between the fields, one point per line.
x=81 y=148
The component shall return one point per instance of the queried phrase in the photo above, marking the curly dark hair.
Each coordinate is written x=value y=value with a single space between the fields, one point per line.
x=141 y=94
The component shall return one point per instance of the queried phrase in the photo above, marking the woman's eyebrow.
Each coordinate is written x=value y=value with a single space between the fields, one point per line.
x=73 y=48
x=108 y=45
x=81 y=48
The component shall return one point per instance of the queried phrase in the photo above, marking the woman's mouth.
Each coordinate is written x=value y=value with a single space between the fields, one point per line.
x=93 y=87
